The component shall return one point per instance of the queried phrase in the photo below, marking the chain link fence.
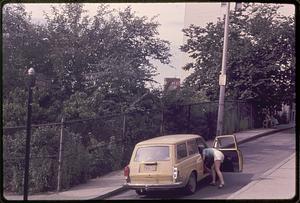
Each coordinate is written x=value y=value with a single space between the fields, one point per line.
x=95 y=146
x=201 y=118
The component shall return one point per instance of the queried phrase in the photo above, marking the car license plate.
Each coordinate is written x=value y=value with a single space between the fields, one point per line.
x=150 y=167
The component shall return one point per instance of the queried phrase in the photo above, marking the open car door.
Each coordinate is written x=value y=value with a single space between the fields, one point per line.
x=233 y=158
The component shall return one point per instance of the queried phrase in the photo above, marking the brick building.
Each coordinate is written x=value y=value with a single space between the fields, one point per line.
x=171 y=83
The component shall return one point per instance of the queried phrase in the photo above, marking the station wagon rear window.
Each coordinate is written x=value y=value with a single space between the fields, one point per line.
x=153 y=153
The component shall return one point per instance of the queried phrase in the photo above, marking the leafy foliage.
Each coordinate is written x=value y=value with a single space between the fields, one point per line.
x=43 y=163
x=107 y=57
x=261 y=56
x=97 y=67
x=86 y=66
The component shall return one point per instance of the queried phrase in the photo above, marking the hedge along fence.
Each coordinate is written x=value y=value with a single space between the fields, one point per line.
x=238 y=116
x=79 y=163
x=91 y=148
x=43 y=160
x=201 y=118
x=95 y=146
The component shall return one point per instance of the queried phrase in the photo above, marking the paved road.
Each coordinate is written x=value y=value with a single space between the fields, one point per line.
x=260 y=155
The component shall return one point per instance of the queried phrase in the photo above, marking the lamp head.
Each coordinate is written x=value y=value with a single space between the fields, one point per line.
x=31 y=71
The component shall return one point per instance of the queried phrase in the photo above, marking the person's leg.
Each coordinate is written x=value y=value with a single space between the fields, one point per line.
x=217 y=164
x=213 y=174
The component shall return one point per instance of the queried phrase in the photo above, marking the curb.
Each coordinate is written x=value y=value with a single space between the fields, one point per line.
x=264 y=134
x=270 y=171
x=267 y=173
x=111 y=193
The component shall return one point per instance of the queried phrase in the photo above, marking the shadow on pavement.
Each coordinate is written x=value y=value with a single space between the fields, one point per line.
x=235 y=181
x=174 y=193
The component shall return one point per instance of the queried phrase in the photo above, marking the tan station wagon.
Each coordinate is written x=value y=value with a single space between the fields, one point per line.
x=174 y=161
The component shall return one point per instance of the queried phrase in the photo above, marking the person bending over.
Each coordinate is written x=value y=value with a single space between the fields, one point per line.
x=213 y=159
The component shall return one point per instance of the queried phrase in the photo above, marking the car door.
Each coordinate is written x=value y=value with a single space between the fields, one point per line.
x=195 y=158
x=233 y=158
x=201 y=144
x=182 y=162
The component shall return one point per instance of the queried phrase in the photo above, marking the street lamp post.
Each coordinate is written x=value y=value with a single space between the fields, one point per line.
x=31 y=83
x=222 y=79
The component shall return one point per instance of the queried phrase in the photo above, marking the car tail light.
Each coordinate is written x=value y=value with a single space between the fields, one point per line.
x=175 y=173
x=126 y=171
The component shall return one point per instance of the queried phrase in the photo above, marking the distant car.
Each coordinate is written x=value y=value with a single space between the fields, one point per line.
x=175 y=161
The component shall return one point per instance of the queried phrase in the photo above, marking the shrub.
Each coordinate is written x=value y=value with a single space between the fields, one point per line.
x=13 y=160
x=75 y=163
x=43 y=165
x=44 y=160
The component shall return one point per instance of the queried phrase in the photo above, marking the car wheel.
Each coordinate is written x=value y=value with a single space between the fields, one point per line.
x=140 y=191
x=191 y=186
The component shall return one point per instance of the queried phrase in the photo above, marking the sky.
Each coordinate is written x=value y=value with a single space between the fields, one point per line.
x=173 y=17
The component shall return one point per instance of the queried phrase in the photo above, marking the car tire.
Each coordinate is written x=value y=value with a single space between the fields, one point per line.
x=140 y=191
x=191 y=185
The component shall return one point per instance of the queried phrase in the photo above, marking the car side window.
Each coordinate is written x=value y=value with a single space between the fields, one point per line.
x=181 y=151
x=201 y=145
x=192 y=147
x=222 y=142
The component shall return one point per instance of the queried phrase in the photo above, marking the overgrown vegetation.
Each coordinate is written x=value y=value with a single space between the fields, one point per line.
x=261 y=56
x=98 y=67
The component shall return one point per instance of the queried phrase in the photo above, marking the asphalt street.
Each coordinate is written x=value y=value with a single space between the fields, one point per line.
x=259 y=155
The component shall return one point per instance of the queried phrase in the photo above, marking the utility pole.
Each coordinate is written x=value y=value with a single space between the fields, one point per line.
x=222 y=78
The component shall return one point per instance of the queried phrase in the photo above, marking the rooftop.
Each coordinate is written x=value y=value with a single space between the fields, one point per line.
x=169 y=139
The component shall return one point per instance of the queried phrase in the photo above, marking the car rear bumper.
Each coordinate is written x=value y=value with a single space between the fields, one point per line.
x=154 y=186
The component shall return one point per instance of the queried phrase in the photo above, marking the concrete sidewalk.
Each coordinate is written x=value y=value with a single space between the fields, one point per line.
x=277 y=183
x=98 y=187
x=112 y=183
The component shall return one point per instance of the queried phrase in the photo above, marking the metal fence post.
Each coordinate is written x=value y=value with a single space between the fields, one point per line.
x=238 y=116
x=123 y=133
x=189 y=118
x=60 y=155
x=162 y=122
x=251 y=114
x=124 y=126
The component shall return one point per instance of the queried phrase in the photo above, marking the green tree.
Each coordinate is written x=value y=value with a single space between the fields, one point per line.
x=86 y=66
x=16 y=31
x=24 y=46
x=261 y=56
x=125 y=45
x=106 y=56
